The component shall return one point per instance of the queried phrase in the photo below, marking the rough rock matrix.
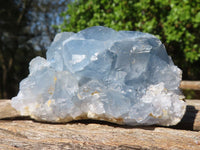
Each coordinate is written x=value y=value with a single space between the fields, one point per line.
x=124 y=77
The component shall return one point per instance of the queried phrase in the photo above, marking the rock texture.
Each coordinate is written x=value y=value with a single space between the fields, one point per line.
x=32 y=135
x=191 y=85
x=20 y=133
x=6 y=110
x=124 y=77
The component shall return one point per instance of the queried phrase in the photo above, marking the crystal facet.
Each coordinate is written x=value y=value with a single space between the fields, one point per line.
x=124 y=77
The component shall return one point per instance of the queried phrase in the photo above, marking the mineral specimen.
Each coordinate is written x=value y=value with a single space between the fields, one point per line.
x=124 y=77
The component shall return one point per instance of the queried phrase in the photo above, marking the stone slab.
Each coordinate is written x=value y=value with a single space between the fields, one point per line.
x=26 y=134
x=20 y=133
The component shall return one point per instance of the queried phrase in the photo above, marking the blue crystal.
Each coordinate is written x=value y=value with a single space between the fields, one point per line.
x=124 y=77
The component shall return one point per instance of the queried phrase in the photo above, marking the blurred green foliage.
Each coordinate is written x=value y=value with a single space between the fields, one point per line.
x=175 y=22
x=191 y=94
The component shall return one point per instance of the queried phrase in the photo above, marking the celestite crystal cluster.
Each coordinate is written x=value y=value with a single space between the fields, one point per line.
x=124 y=77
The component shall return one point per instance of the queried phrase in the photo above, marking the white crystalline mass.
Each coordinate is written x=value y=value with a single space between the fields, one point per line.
x=124 y=77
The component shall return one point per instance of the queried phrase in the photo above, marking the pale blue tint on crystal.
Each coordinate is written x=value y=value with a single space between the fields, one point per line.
x=124 y=77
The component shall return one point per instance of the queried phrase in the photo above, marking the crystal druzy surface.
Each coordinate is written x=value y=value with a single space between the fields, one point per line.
x=124 y=77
